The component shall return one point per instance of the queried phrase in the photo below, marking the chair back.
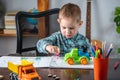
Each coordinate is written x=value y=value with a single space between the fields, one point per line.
x=23 y=33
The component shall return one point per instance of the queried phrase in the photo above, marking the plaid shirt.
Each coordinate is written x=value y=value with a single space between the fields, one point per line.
x=65 y=44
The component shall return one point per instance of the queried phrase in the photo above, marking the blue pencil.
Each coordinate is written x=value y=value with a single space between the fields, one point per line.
x=93 y=51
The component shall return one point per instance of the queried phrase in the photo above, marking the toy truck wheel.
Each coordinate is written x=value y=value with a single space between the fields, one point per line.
x=13 y=76
x=83 y=60
x=70 y=61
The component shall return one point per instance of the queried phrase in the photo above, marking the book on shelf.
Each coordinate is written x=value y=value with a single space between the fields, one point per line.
x=9 y=17
x=10 y=23
x=10 y=20
x=10 y=27
x=11 y=13
x=9 y=31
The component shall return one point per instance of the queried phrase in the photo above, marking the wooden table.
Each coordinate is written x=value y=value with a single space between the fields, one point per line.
x=71 y=74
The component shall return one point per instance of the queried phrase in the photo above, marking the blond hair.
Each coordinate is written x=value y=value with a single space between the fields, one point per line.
x=70 y=10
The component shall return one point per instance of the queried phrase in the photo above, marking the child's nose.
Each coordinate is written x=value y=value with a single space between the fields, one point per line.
x=67 y=31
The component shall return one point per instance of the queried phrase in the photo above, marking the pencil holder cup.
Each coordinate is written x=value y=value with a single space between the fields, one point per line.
x=100 y=68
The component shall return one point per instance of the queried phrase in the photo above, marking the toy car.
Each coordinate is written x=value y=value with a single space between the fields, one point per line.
x=77 y=56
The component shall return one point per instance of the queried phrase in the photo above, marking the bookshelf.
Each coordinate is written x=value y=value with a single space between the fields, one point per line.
x=13 y=34
x=42 y=30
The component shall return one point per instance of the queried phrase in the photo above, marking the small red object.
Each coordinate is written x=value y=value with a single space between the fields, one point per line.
x=116 y=64
x=57 y=54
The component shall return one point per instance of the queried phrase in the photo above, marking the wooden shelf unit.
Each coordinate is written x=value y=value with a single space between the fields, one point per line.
x=25 y=34
x=41 y=30
x=7 y=35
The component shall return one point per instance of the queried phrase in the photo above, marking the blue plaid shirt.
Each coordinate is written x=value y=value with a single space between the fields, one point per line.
x=65 y=44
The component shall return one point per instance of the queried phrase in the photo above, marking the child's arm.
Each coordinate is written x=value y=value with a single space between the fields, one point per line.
x=42 y=43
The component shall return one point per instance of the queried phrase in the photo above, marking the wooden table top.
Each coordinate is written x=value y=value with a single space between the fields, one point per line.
x=71 y=74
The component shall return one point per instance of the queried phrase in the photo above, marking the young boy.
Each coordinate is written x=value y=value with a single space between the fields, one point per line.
x=63 y=41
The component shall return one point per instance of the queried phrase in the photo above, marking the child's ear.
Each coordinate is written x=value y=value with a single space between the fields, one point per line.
x=58 y=20
x=80 y=23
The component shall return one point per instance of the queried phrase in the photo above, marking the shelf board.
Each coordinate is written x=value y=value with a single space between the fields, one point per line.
x=13 y=34
x=7 y=35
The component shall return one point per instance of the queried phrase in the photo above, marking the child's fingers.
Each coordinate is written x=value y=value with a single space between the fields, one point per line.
x=53 y=49
x=56 y=50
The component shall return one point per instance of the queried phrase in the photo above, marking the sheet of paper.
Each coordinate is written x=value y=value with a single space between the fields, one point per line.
x=38 y=61
x=51 y=62
x=60 y=63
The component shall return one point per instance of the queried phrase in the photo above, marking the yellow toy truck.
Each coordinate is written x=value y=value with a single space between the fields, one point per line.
x=23 y=71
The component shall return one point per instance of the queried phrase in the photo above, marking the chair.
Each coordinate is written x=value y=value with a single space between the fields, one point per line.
x=21 y=24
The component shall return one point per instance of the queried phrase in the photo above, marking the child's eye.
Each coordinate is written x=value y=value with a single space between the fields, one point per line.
x=71 y=28
x=64 y=27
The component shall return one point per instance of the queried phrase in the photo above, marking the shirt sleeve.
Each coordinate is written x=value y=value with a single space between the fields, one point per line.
x=42 y=43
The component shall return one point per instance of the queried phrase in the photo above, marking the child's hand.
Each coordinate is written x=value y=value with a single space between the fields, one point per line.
x=53 y=49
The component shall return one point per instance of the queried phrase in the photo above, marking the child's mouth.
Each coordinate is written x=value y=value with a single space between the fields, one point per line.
x=69 y=36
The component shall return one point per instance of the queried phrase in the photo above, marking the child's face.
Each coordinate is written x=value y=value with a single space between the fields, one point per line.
x=69 y=27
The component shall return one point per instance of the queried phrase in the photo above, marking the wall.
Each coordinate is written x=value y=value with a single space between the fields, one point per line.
x=19 y=4
x=102 y=24
x=7 y=45
x=103 y=27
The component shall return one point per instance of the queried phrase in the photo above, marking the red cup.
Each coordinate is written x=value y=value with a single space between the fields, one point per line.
x=100 y=68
